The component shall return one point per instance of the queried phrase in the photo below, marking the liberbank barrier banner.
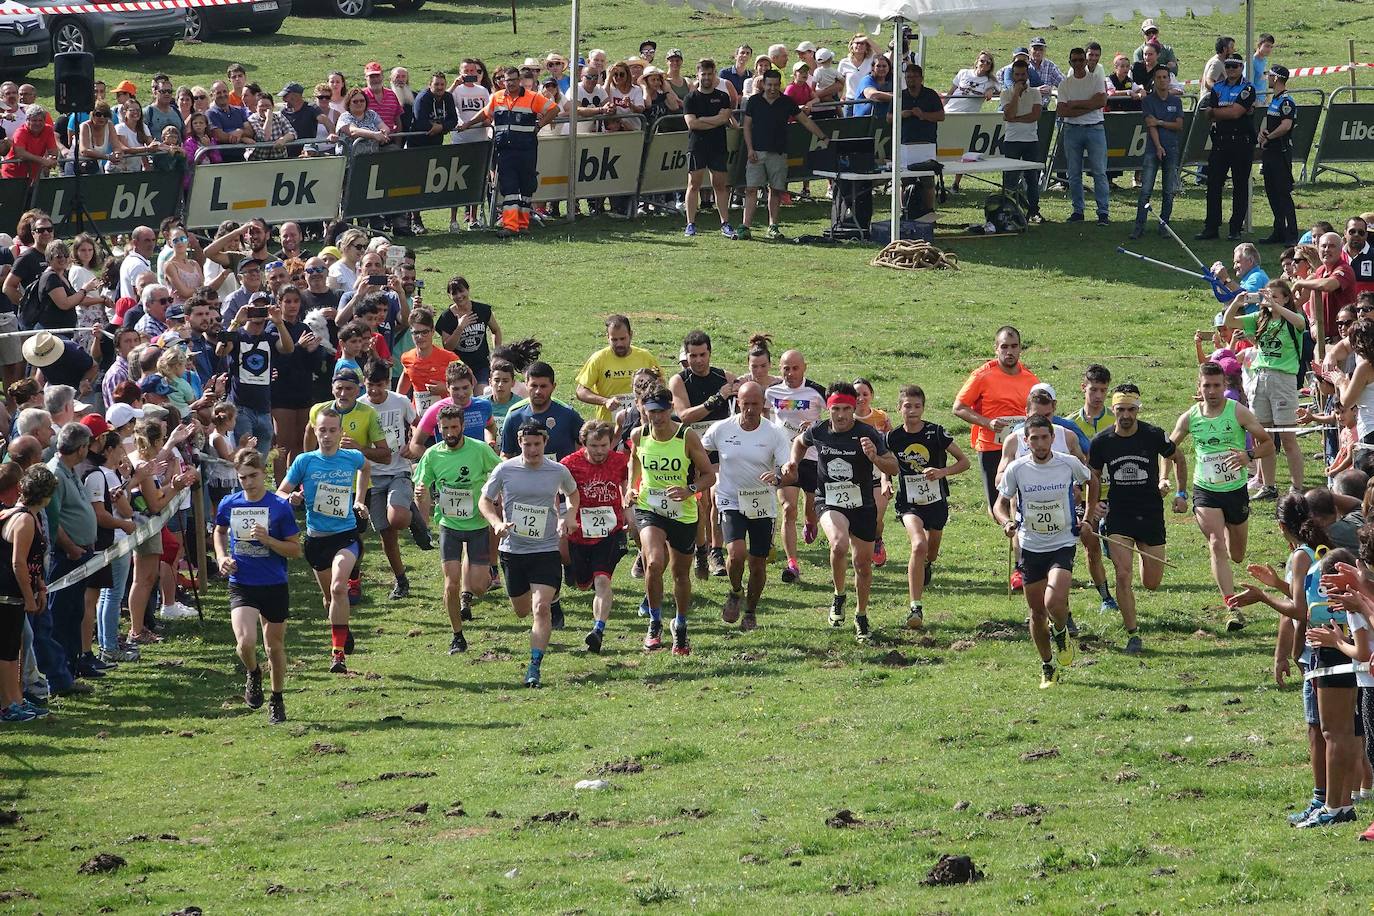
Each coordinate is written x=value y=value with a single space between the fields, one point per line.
x=274 y=189
x=1127 y=139
x=1347 y=134
x=14 y=200
x=1304 y=132
x=424 y=178
x=607 y=165
x=115 y=202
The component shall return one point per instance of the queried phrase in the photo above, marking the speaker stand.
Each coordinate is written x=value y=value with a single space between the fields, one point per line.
x=81 y=217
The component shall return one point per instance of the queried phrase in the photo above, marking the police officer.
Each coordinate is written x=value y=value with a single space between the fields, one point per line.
x=516 y=114
x=1276 y=155
x=1228 y=105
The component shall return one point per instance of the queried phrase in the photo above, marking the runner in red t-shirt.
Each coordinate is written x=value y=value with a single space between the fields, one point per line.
x=596 y=540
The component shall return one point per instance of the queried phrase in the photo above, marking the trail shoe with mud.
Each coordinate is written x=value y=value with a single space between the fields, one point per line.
x=593 y=642
x=729 y=611
x=837 y=611
x=459 y=643
x=1235 y=623
x=252 y=690
x=400 y=589
x=915 y=618
x=276 y=710
x=1049 y=675
x=861 y=628
x=702 y=570
x=336 y=664
x=465 y=606
x=748 y=622
x=716 y=561
x=1063 y=647
x=680 y=644
x=653 y=639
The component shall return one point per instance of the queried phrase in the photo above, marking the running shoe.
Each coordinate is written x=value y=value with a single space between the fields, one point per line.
x=556 y=615
x=465 y=610
x=455 y=226
x=653 y=639
x=915 y=618
x=1063 y=647
x=459 y=643
x=701 y=568
x=1368 y=835
x=401 y=589
x=337 y=666
x=775 y=234
x=121 y=654
x=728 y=231
x=85 y=670
x=349 y=644
x=1018 y=581
x=861 y=627
x=593 y=642
x=1133 y=646
x=1326 y=818
x=791 y=572
x=1313 y=806
x=748 y=622
x=1049 y=675
x=16 y=713
x=1264 y=493
x=644 y=606
x=729 y=612
x=252 y=689
x=716 y=562
x=879 y=553
x=1236 y=622
x=532 y=675
x=637 y=570
x=837 y=611
x=1109 y=604
x=809 y=532
x=1071 y=626
x=691 y=230
x=176 y=611
x=419 y=531
x=496 y=585
x=276 y=710
x=355 y=591
x=680 y=644
x=39 y=710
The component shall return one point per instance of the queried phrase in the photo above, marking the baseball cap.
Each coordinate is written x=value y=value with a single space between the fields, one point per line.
x=154 y=384
x=175 y=312
x=347 y=374
x=649 y=43
x=1280 y=72
x=805 y=46
x=1235 y=60
x=659 y=402
x=372 y=67
x=119 y=414
x=1148 y=26
x=550 y=80
x=800 y=65
x=651 y=70
x=531 y=426
x=1039 y=42
x=128 y=86
x=95 y=423
x=1041 y=389
x=261 y=295
x=290 y=88
x=332 y=251
x=1020 y=52
x=250 y=263
x=824 y=56
x=674 y=52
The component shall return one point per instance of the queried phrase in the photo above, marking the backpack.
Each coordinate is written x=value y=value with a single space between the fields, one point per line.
x=31 y=306
x=1004 y=212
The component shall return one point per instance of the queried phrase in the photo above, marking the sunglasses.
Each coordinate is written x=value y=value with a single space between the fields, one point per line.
x=163 y=300
x=1344 y=324
x=358 y=247
x=38 y=229
x=1364 y=310
x=317 y=270
x=273 y=265
x=323 y=98
x=201 y=98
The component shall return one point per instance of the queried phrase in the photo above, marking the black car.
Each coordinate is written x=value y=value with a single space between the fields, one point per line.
x=24 y=44
x=262 y=17
x=359 y=9
x=152 y=32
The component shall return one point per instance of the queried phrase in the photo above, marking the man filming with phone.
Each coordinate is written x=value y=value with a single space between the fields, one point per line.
x=249 y=347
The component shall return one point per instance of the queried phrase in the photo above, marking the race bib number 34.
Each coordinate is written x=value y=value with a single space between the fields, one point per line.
x=919 y=491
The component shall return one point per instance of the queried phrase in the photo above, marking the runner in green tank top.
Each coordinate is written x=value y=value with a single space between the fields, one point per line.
x=1220 y=501
x=664 y=453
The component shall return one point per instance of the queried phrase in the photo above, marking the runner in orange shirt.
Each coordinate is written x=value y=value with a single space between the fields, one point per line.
x=423 y=368
x=992 y=400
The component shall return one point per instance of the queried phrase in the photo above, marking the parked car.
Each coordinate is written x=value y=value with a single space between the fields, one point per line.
x=358 y=9
x=24 y=44
x=153 y=32
x=263 y=17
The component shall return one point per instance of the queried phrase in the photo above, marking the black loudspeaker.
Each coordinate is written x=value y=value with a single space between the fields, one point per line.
x=74 y=81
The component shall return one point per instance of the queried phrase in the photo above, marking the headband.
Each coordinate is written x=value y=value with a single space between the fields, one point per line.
x=1125 y=398
x=840 y=398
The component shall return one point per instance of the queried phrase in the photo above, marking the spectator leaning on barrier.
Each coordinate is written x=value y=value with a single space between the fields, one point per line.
x=766 y=116
x=33 y=150
x=162 y=113
x=306 y=119
x=435 y=112
x=380 y=98
x=1050 y=75
x=270 y=127
x=1163 y=116
x=1082 y=96
x=228 y=124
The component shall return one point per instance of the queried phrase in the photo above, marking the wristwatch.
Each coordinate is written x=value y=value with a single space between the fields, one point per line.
x=692 y=488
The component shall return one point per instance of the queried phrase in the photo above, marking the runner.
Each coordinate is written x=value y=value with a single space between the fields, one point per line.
x=751 y=453
x=457 y=467
x=992 y=401
x=1220 y=461
x=879 y=420
x=560 y=421
x=922 y=451
x=795 y=404
x=1127 y=456
x=361 y=431
x=604 y=381
x=422 y=373
x=391 y=502
x=847 y=453
x=520 y=501
x=1043 y=484
x=761 y=366
x=597 y=543
x=1089 y=420
x=255 y=534
x=701 y=397
x=665 y=454
x=478 y=421
x=329 y=479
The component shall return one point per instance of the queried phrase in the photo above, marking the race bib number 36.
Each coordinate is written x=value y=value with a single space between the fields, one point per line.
x=332 y=500
x=529 y=521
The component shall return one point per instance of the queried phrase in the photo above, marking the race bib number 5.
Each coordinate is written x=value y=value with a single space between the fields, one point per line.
x=756 y=502
x=332 y=500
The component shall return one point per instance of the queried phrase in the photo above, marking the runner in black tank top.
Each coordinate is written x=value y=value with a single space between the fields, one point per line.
x=701 y=396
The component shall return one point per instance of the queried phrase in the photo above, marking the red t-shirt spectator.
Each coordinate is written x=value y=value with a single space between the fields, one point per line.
x=801 y=93
x=39 y=143
x=1338 y=298
x=387 y=106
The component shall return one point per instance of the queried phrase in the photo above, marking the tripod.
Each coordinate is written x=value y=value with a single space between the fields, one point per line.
x=81 y=217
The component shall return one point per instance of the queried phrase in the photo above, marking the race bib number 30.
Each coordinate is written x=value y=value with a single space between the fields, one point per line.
x=1045 y=516
x=597 y=522
x=332 y=500
x=529 y=521
x=757 y=502
x=919 y=491
x=1215 y=469
x=244 y=519
x=455 y=503
x=843 y=495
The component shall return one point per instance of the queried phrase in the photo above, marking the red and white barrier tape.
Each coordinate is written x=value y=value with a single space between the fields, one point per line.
x=100 y=6
x=1307 y=71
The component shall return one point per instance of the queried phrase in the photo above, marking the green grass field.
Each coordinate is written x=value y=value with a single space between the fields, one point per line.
x=423 y=782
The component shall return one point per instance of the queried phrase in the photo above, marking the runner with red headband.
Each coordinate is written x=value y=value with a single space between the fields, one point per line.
x=847 y=452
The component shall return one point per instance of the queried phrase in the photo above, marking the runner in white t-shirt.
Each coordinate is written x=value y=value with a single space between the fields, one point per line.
x=391 y=498
x=795 y=403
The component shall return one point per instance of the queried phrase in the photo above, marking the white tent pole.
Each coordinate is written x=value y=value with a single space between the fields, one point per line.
x=1249 y=57
x=898 y=81
x=575 y=80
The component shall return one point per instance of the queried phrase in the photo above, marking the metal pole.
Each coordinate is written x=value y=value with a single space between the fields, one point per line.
x=898 y=80
x=574 y=81
x=1350 y=47
x=1252 y=76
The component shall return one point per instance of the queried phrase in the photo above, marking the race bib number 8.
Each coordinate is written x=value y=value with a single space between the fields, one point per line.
x=332 y=500
x=843 y=495
x=244 y=519
x=756 y=502
x=920 y=491
x=661 y=504
x=1045 y=516
x=455 y=503
x=597 y=522
x=1215 y=469
x=529 y=521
